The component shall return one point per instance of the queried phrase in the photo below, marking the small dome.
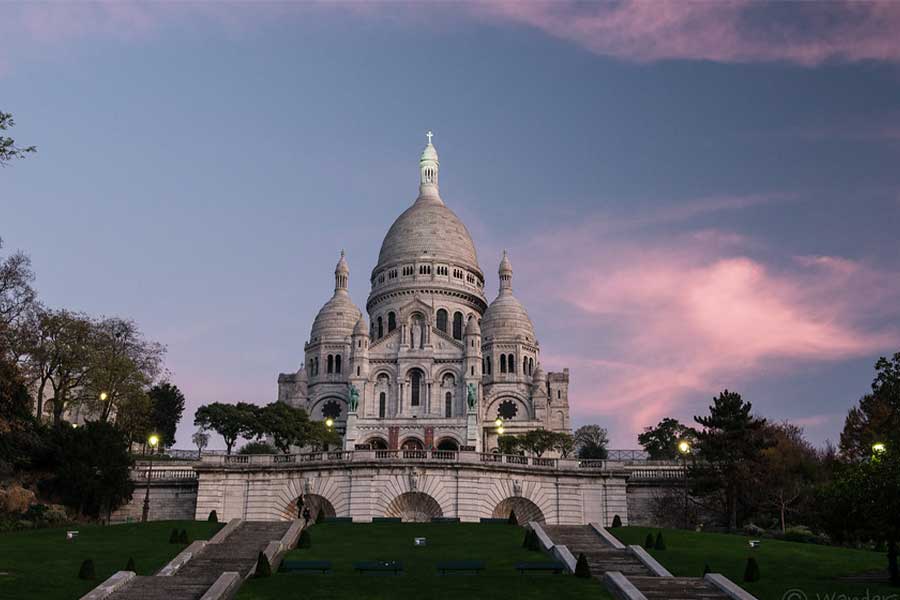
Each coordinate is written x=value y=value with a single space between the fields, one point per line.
x=506 y=318
x=472 y=327
x=361 y=327
x=336 y=319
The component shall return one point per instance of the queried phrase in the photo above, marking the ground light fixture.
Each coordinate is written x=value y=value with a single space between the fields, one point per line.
x=684 y=447
x=879 y=448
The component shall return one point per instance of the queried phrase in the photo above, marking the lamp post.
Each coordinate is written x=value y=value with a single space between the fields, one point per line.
x=878 y=448
x=153 y=440
x=684 y=448
x=498 y=422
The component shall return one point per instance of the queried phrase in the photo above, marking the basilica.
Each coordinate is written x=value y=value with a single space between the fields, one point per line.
x=434 y=366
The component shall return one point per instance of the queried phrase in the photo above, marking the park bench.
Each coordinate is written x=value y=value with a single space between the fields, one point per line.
x=304 y=566
x=379 y=566
x=387 y=520
x=554 y=567
x=460 y=566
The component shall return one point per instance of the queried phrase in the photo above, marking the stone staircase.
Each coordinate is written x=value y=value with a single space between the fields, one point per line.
x=582 y=539
x=238 y=553
x=603 y=558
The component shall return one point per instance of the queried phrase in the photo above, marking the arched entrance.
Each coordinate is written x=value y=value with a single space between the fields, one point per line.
x=377 y=443
x=414 y=507
x=448 y=444
x=412 y=443
x=316 y=504
x=525 y=509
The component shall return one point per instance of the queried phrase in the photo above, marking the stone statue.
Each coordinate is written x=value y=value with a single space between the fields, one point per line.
x=354 y=398
x=472 y=395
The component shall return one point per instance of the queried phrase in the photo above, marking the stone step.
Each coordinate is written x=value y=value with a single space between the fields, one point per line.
x=677 y=588
x=601 y=557
x=162 y=588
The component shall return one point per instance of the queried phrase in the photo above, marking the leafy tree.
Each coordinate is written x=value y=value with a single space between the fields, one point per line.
x=661 y=442
x=257 y=448
x=320 y=436
x=15 y=403
x=789 y=469
x=94 y=468
x=201 y=440
x=877 y=418
x=288 y=426
x=135 y=419
x=8 y=148
x=509 y=444
x=231 y=421
x=168 y=405
x=16 y=293
x=563 y=443
x=730 y=447
x=538 y=441
x=591 y=441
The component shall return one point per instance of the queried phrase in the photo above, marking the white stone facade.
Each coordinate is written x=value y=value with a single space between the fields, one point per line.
x=431 y=338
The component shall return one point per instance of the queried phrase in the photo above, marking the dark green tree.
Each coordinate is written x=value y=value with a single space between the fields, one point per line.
x=257 y=448
x=130 y=565
x=231 y=421
x=509 y=444
x=8 y=148
x=751 y=571
x=263 y=568
x=590 y=442
x=877 y=418
x=87 y=571
x=617 y=521
x=168 y=405
x=288 y=426
x=213 y=516
x=537 y=441
x=512 y=520
x=661 y=442
x=730 y=446
x=94 y=468
x=582 y=568
x=660 y=543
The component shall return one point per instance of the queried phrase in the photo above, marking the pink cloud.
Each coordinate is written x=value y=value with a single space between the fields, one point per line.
x=673 y=321
x=726 y=31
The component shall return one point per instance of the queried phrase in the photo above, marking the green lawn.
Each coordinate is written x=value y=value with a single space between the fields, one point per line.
x=500 y=546
x=784 y=566
x=42 y=564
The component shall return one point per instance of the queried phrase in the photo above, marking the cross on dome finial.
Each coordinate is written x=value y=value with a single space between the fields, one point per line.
x=429 y=135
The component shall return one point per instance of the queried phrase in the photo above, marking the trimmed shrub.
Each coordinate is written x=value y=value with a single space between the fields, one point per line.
x=617 y=521
x=320 y=517
x=532 y=542
x=213 y=516
x=263 y=568
x=799 y=533
x=87 y=569
x=706 y=569
x=305 y=540
x=512 y=520
x=751 y=571
x=173 y=537
x=660 y=542
x=648 y=542
x=183 y=537
x=582 y=568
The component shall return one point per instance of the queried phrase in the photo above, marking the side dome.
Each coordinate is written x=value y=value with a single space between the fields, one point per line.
x=338 y=317
x=506 y=318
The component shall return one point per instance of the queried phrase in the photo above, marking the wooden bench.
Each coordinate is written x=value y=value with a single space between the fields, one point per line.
x=379 y=566
x=304 y=566
x=554 y=567
x=460 y=566
x=387 y=520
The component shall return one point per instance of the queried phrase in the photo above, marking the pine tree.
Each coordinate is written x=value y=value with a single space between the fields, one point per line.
x=305 y=540
x=213 y=516
x=512 y=520
x=87 y=569
x=173 y=537
x=582 y=568
x=617 y=521
x=660 y=542
x=648 y=541
x=263 y=568
x=751 y=572
x=130 y=565
x=183 y=537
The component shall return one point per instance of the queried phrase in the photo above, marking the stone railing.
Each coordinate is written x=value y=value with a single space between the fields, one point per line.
x=141 y=474
x=657 y=473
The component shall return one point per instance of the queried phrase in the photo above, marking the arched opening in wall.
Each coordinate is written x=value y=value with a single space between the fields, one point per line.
x=414 y=507
x=448 y=444
x=315 y=503
x=448 y=405
x=337 y=363
x=392 y=322
x=412 y=443
x=330 y=364
x=503 y=363
x=457 y=325
x=416 y=380
x=382 y=404
x=380 y=328
x=377 y=443
x=511 y=363
x=442 y=320
x=526 y=510
x=488 y=364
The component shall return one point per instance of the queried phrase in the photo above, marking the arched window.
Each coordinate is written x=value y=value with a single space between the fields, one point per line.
x=311 y=364
x=337 y=363
x=525 y=365
x=316 y=370
x=330 y=363
x=530 y=366
x=415 y=383
x=503 y=363
x=511 y=363
x=448 y=405
x=382 y=404
x=442 y=320
x=392 y=322
x=380 y=329
x=488 y=371
x=457 y=325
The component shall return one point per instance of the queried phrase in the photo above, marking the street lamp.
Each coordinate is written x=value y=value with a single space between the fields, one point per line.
x=329 y=422
x=684 y=448
x=103 y=396
x=879 y=448
x=153 y=440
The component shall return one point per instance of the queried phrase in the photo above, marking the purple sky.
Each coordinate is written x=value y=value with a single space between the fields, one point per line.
x=694 y=195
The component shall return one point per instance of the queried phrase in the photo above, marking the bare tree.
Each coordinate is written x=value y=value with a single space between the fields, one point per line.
x=8 y=148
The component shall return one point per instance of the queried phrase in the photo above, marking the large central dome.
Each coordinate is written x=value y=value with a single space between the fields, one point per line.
x=429 y=230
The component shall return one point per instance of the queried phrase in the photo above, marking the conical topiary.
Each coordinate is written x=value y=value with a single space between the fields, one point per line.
x=648 y=541
x=87 y=569
x=173 y=537
x=617 y=521
x=532 y=542
x=183 y=537
x=305 y=540
x=320 y=517
x=751 y=571
x=263 y=568
x=512 y=520
x=660 y=542
x=706 y=569
x=213 y=516
x=582 y=568
x=130 y=565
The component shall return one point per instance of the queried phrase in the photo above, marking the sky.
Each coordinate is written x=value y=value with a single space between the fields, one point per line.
x=694 y=196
